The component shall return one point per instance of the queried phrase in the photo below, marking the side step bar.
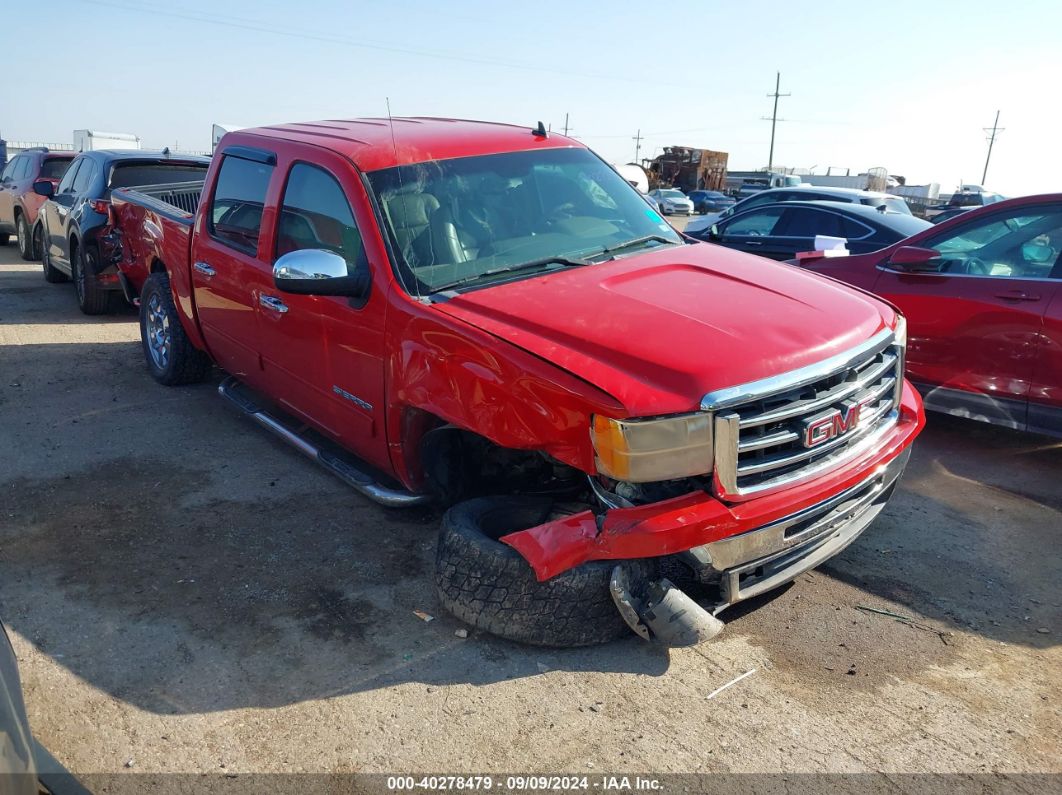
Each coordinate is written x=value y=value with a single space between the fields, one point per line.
x=342 y=467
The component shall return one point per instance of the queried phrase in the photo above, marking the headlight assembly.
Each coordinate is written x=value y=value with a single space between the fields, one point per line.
x=644 y=451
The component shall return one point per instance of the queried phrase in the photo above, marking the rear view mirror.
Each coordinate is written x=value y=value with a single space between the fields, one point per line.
x=315 y=271
x=44 y=187
x=914 y=259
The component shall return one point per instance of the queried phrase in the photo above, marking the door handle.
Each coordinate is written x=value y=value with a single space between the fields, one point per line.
x=753 y=242
x=203 y=268
x=1017 y=295
x=274 y=303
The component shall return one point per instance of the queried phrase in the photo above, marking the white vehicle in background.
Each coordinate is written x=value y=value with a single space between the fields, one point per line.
x=884 y=201
x=672 y=201
x=634 y=174
x=91 y=140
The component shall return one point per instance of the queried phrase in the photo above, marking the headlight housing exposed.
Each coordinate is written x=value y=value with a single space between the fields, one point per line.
x=900 y=330
x=644 y=451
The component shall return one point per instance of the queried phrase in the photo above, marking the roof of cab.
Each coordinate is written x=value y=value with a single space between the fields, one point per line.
x=375 y=143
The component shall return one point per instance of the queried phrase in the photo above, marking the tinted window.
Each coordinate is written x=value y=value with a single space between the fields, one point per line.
x=805 y=222
x=125 y=175
x=236 y=213
x=315 y=214
x=66 y=184
x=84 y=177
x=1015 y=245
x=854 y=230
x=54 y=167
x=22 y=170
x=761 y=222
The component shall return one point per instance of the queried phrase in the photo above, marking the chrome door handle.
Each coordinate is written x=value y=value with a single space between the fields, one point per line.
x=753 y=242
x=271 y=302
x=203 y=268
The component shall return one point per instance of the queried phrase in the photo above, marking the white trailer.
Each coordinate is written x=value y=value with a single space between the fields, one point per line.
x=89 y=140
x=217 y=132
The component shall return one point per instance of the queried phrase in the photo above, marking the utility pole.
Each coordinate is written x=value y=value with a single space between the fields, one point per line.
x=565 y=124
x=774 y=116
x=991 y=140
x=637 y=146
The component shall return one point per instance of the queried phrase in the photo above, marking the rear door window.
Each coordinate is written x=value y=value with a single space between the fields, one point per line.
x=84 y=177
x=66 y=185
x=239 y=197
x=806 y=222
x=755 y=224
x=23 y=168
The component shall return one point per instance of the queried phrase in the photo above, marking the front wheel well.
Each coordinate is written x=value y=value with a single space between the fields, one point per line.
x=459 y=464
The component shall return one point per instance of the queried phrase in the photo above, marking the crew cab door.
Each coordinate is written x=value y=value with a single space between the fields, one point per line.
x=325 y=352
x=975 y=321
x=230 y=260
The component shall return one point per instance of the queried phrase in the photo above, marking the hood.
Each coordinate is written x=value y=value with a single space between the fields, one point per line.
x=659 y=330
x=677 y=200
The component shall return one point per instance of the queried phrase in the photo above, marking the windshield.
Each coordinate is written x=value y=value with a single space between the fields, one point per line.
x=672 y=194
x=792 y=182
x=469 y=219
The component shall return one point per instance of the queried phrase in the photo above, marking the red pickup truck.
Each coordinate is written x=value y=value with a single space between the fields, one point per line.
x=490 y=316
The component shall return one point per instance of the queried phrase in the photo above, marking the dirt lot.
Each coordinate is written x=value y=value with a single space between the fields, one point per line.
x=186 y=594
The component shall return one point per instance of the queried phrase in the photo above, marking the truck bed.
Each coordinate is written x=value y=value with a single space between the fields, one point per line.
x=153 y=227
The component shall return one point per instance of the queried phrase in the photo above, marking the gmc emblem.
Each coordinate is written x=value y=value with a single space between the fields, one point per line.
x=831 y=424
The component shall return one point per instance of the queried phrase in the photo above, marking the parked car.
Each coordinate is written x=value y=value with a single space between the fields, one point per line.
x=804 y=193
x=982 y=293
x=945 y=214
x=19 y=203
x=709 y=201
x=672 y=201
x=781 y=231
x=470 y=312
x=76 y=221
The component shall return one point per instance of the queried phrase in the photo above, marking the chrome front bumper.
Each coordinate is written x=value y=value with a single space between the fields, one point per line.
x=758 y=561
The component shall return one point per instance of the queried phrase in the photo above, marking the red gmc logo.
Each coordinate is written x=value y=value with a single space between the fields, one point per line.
x=831 y=424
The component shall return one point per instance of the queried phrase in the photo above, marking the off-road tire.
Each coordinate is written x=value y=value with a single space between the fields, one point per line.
x=489 y=585
x=91 y=298
x=186 y=364
x=24 y=238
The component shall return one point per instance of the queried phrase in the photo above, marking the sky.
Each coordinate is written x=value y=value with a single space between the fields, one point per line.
x=904 y=85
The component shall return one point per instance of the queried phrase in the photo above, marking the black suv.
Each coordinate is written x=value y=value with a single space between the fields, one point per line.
x=76 y=222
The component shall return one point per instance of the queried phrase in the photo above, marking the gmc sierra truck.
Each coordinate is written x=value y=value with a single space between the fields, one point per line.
x=491 y=317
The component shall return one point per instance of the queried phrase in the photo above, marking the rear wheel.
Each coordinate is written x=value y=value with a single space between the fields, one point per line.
x=171 y=358
x=91 y=298
x=25 y=240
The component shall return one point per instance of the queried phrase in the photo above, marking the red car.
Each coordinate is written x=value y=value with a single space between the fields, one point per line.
x=19 y=202
x=435 y=307
x=982 y=293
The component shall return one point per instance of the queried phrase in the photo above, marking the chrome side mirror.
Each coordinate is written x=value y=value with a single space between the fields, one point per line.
x=315 y=271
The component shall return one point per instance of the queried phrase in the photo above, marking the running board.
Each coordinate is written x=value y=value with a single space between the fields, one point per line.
x=343 y=467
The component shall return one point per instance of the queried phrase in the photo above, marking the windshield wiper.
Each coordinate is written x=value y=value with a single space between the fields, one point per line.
x=567 y=262
x=638 y=241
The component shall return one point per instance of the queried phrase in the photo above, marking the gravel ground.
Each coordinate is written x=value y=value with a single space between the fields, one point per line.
x=186 y=594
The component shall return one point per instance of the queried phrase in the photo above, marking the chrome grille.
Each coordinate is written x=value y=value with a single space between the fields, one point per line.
x=776 y=433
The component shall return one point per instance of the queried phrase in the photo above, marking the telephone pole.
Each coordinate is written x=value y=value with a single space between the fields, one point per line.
x=637 y=147
x=566 y=124
x=774 y=116
x=991 y=140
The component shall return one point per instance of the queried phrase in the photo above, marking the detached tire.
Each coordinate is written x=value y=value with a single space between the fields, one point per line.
x=171 y=358
x=489 y=585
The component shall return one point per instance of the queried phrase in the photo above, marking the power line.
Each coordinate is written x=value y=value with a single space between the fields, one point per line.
x=991 y=140
x=774 y=116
